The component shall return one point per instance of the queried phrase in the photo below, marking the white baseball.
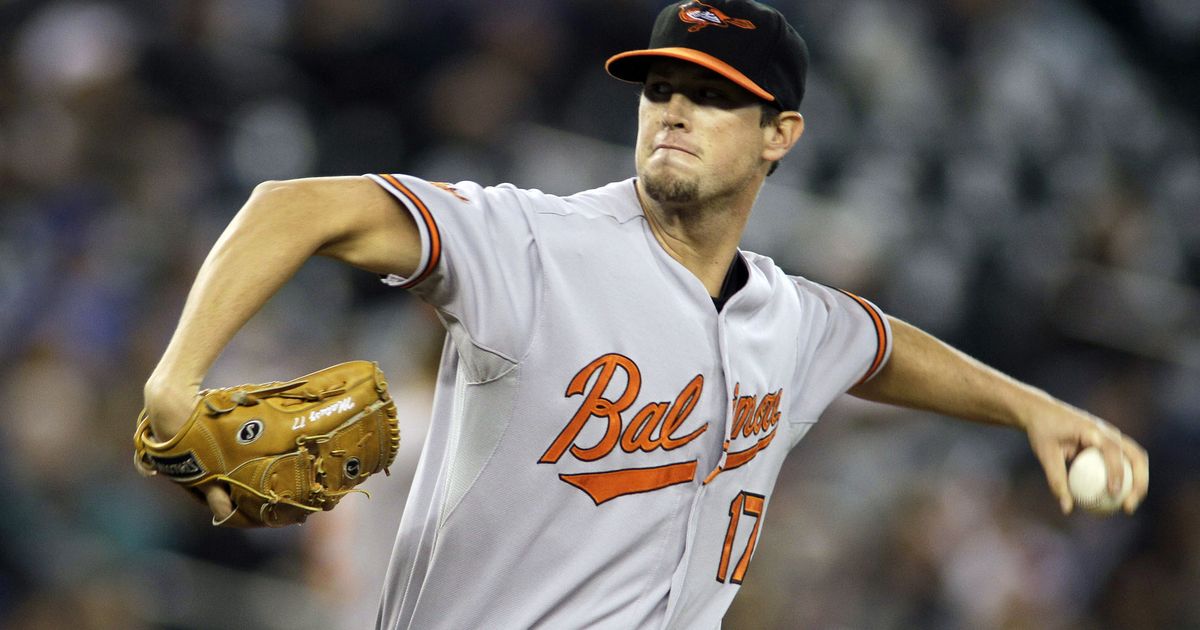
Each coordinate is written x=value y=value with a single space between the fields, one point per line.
x=1088 y=482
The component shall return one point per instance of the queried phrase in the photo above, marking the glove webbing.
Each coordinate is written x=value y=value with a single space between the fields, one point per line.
x=251 y=398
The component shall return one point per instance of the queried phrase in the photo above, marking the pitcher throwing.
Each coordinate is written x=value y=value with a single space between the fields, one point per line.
x=621 y=383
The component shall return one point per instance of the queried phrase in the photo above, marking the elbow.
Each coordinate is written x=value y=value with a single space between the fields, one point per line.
x=269 y=203
x=276 y=192
x=295 y=207
x=297 y=199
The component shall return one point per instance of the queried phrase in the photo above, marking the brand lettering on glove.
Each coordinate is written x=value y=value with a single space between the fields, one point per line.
x=340 y=406
x=654 y=426
x=181 y=467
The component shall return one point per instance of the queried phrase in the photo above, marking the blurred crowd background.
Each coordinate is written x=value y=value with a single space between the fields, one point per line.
x=1019 y=177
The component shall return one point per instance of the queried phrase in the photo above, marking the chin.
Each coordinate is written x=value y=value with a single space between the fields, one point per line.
x=670 y=187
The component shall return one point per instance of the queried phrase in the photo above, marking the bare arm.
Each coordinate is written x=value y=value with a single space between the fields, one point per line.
x=924 y=373
x=281 y=226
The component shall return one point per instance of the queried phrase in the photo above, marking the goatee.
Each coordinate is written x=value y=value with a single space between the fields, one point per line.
x=666 y=189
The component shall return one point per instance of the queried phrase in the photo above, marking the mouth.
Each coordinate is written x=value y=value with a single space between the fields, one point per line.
x=675 y=147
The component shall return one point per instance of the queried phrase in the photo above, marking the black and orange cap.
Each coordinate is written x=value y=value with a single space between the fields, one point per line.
x=746 y=42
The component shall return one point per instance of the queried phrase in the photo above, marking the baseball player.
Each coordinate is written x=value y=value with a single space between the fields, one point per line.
x=620 y=383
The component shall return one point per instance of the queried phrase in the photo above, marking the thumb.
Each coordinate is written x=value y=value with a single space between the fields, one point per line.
x=1054 y=463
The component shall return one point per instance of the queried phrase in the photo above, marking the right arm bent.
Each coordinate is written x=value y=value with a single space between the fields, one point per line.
x=282 y=225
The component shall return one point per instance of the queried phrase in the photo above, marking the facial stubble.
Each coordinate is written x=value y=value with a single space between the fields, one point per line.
x=665 y=188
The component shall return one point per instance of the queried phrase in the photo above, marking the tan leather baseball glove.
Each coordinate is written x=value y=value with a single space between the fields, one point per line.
x=285 y=449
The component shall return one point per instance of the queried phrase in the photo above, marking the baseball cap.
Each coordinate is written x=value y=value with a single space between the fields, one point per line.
x=746 y=42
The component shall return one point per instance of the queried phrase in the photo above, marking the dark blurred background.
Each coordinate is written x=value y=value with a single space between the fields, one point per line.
x=1021 y=178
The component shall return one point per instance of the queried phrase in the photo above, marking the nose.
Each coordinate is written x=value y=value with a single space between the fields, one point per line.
x=676 y=112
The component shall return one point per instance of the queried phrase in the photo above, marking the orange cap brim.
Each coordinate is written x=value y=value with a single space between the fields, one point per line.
x=686 y=54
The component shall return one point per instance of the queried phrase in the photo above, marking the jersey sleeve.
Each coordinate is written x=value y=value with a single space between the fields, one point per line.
x=850 y=347
x=479 y=265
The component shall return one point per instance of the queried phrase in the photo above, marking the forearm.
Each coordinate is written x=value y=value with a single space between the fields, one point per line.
x=281 y=226
x=925 y=373
x=264 y=246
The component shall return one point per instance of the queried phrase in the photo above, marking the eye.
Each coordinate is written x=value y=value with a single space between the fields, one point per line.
x=657 y=90
x=710 y=95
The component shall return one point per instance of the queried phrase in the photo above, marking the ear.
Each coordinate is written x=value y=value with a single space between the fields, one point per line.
x=781 y=135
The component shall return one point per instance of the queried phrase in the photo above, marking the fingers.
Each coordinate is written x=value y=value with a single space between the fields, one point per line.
x=1117 y=448
x=1109 y=441
x=219 y=502
x=1139 y=462
x=1054 y=462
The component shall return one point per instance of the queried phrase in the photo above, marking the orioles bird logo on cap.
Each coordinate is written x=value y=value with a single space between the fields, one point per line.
x=701 y=15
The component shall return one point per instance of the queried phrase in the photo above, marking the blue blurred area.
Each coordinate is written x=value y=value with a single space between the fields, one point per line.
x=1021 y=178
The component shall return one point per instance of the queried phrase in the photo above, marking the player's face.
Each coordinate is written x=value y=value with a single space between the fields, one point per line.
x=699 y=135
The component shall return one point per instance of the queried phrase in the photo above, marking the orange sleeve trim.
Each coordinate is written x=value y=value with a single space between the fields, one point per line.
x=435 y=237
x=880 y=335
x=610 y=484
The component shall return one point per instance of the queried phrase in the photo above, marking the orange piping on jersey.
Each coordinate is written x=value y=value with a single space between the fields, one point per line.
x=880 y=335
x=435 y=238
x=610 y=484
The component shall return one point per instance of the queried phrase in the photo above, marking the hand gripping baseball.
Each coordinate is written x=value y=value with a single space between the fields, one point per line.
x=1061 y=432
x=283 y=449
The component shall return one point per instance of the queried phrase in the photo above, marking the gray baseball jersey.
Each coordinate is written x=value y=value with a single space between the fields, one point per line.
x=604 y=441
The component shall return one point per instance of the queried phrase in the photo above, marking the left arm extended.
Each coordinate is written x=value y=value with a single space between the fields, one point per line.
x=925 y=373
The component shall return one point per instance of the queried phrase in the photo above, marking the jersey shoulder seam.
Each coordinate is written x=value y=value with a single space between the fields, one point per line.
x=580 y=205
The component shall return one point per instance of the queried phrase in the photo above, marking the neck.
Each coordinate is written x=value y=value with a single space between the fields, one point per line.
x=702 y=237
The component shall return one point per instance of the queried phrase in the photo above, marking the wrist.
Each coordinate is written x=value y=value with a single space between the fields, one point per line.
x=163 y=384
x=169 y=402
x=1029 y=407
